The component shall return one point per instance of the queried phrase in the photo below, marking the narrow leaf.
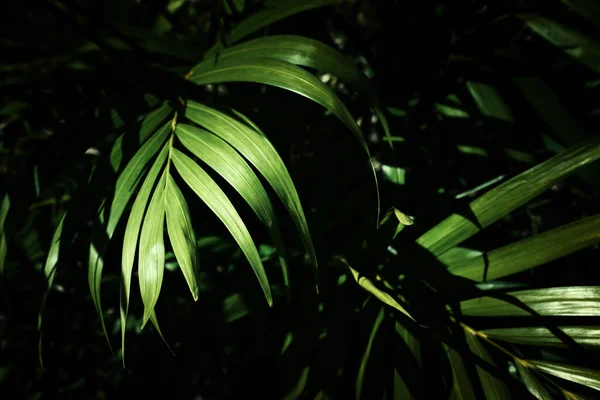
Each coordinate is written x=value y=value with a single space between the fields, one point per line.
x=489 y=101
x=587 y=336
x=217 y=201
x=589 y=9
x=365 y=358
x=579 y=46
x=274 y=11
x=152 y=250
x=506 y=197
x=581 y=375
x=4 y=207
x=221 y=157
x=402 y=388
x=535 y=387
x=462 y=388
x=130 y=239
x=181 y=235
x=285 y=76
x=493 y=387
x=531 y=252
x=305 y=52
x=257 y=149
x=558 y=301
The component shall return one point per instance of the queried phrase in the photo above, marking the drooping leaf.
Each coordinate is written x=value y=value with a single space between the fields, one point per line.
x=49 y=274
x=506 y=197
x=151 y=255
x=365 y=358
x=4 y=207
x=531 y=252
x=286 y=76
x=579 y=46
x=494 y=387
x=462 y=388
x=210 y=193
x=181 y=235
x=402 y=388
x=535 y=387
x=131 y=237
x=489 y=101
x=221 y=157
x=257 y=149
x=557 y=301
x=586 y=336
x=273 y=12
x=305 y=52
x=584 y=376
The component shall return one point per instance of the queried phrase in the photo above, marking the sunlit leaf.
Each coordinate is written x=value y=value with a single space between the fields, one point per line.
x=493 y=386
x=452 y=112
x=49 y=274
x=274 y=11
x=489 y=101
x=458 y=256
x=579 y=46
x=132 y=231
x=310 y=53
x=535 y=387
x=181 y=235
x=584 y=376
x=151 y=256
x=210 y=193
x=257 y=149
x=587 y=336
x=4 y=207
x=393 y=174
x=506 y=197
x=531 y=252
x=221 y=157
x=559 y=301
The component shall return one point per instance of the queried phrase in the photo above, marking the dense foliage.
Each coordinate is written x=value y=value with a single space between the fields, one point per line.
x=410 y=186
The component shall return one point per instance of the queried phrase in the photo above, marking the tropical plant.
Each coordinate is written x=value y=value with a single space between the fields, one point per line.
x=397 y=305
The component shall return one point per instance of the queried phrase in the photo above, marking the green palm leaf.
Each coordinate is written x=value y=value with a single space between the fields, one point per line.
x=587 y=336
x=558 y=301
x=305 y=52
x=181 y=235
x=489 y=101
x=257 y=149
x=274 y=11
x=583 y=376
x=531 y=381
x=152 y=250
x=462 y=388
x=217 y=201
x=221 y=157
x=531 y=252
x=506 y=197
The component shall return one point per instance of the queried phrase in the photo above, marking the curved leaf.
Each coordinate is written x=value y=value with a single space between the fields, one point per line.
x=257 y=149
x=132 y=232
x=221 y=157
x=531 y=252
x=365 y=358
x=305 y=52
x=560 y=301
x=217 y=201
x=272 y=13
x=506 y=197
x=587 y=336
x=535 y=387
x=181 y=235
x=584 y=376
x=152 y=250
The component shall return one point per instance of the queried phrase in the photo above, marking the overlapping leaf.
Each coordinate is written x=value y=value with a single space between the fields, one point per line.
x=206 y=188
x=506 y=197
x=584 y=376
x=257 y=149
x=531 y=252
x=587 y=336
x=305 y=52
x=532 y=382
x=221 y=157
x=558 y=301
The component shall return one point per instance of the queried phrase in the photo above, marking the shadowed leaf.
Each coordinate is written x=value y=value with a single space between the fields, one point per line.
x=583 y=376
x=532 y=383
x=493 y=387
x=587 y=336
